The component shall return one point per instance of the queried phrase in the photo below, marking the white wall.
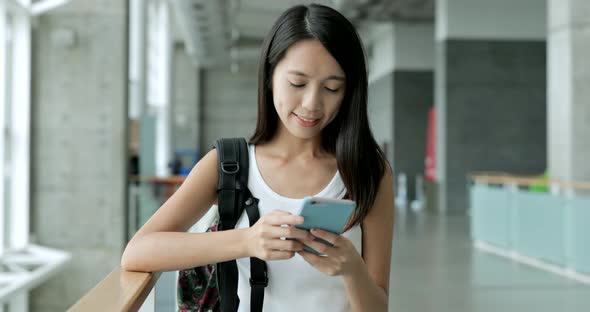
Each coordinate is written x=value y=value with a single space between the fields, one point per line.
x=413 y=46
x=491 y=19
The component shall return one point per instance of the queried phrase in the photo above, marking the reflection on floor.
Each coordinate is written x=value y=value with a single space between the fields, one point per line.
x=435 y=268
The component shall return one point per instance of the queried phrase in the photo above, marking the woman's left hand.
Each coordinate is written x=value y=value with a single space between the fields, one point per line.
x=340 y=260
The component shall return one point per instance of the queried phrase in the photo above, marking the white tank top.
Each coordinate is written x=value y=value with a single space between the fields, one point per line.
x=294 y=285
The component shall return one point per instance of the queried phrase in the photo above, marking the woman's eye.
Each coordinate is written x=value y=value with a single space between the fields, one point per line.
x=332 y=90
x=294 y=85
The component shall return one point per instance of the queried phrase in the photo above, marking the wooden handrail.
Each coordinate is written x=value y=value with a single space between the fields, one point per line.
x=499 y=178
x=169 y=184
x=174 y=180
x=120 y=291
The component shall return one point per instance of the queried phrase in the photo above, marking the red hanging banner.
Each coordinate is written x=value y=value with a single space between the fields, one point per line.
x=430 y=161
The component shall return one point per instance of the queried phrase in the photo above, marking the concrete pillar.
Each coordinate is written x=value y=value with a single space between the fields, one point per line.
x=413 y=93
x=229 y=104
x=401 y=92
x=79 y=144
x=568 y=93
x=379 y=41
x=489 y=92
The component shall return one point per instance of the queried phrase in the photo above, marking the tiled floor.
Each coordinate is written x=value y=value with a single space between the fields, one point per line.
x=435 y=268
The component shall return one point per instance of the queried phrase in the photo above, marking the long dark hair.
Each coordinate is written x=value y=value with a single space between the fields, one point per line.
x=361 y=162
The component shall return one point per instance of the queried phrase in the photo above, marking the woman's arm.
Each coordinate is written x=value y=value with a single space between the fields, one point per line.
x=171 y=251
x=161 y=243
x=368 y=286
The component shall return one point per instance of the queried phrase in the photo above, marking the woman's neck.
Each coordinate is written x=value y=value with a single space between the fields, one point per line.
x=286 y=145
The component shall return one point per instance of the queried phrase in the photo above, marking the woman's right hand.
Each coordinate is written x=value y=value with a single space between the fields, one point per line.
x=264 y=237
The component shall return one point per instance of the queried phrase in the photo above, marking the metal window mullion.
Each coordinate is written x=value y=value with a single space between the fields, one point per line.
x=20 y=133
x=159 y=47
x=137 y=56
x=3 y=105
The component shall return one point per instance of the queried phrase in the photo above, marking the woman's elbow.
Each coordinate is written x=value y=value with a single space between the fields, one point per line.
x=131 y=262
x=134 y=265
x=126 y=263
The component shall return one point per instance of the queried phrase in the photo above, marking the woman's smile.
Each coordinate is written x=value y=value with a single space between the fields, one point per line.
x=306 y=122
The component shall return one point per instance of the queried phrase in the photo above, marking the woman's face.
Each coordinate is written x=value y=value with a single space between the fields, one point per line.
x=308 y=87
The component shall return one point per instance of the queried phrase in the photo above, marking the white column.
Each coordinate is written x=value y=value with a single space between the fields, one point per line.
x=20 y=131
x=3 y=118
x=159 y=80
x=568 y=94
x=137 y=55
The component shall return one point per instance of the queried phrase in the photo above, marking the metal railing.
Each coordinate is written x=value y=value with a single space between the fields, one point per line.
x=25 y=269
x=534 y=220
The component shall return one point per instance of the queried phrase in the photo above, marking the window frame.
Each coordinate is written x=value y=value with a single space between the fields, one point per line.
x=16 y=252
x=15 y=122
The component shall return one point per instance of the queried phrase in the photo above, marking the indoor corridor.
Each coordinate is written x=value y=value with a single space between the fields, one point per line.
x=482 y=109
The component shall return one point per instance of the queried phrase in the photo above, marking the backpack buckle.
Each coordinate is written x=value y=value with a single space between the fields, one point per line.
x=263 y=282
x=230 y=167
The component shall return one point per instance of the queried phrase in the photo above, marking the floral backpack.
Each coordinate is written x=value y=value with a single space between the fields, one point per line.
x=214 y=287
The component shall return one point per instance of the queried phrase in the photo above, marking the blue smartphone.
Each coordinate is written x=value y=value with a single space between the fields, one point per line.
x=328 y=214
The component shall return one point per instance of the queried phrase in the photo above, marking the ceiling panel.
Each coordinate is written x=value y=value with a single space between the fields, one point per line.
x=217 y=26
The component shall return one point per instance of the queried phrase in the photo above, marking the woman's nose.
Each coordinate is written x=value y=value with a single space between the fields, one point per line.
x=312 y=100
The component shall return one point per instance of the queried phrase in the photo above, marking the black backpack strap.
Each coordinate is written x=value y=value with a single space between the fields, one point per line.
x=233 y=180
x=233 y=195
x=258 y=270
x=232 y=168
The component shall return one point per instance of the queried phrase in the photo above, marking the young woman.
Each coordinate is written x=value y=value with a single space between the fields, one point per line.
x=312 y=138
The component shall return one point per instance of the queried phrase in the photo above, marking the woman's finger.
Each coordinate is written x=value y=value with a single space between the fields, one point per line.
x=279 y=212
x=320 y=247
x=325 y=235
x=283 y=245
x=310 y=257
x=280 y=219
x=288 y=232
x=281 y=255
